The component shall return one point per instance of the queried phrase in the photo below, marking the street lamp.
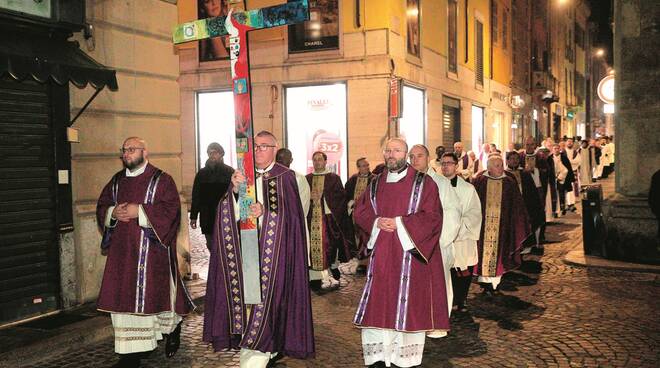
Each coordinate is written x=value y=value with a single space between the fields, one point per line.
x=600 y=53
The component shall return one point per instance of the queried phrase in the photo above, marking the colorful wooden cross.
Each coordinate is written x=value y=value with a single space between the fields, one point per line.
x=236 y=25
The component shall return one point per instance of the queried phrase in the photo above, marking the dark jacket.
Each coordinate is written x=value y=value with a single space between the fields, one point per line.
x=210 y=186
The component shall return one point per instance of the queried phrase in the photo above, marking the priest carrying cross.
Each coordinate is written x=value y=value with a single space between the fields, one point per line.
x=257 y=295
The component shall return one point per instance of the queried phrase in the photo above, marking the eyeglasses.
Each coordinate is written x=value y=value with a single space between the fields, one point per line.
x=389 y=151
x=263 y=147
x=130 y=149
x=447 y=163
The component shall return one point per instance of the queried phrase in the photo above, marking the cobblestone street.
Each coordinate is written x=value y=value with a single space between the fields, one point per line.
x=549 y=315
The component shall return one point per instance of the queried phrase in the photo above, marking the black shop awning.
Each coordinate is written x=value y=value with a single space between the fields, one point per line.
x=25 y=55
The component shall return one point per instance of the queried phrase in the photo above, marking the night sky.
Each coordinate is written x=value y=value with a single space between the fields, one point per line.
x=601 y=15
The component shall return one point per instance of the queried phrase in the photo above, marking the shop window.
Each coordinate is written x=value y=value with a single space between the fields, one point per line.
x=215 y=123
x=316 y=121
x=412 y=124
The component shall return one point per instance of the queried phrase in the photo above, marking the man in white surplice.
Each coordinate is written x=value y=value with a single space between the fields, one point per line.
x=451 y=217
x=465 y=246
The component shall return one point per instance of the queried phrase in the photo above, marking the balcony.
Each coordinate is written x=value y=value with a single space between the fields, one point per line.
x=544 y=83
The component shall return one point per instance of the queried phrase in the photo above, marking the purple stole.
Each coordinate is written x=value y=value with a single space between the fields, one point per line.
x=230 y=255
x=146 y=235
x=404 y=284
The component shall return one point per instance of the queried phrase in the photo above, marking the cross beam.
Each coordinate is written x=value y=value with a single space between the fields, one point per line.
x=236 y=25
x=269 y=17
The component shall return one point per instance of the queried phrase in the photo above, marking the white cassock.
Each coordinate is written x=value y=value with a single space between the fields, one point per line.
x=465 y=171
x=465 y=246
x=451 y=223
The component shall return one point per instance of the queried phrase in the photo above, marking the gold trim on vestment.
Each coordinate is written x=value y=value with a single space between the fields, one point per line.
x=316 y=226
x=360 y=187
x=491 y=227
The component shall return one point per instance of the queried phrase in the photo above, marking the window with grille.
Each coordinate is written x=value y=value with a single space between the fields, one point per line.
x=479 y=50
x=493 y=22
x=505 y=28
x=452 y=34
x=451 y=121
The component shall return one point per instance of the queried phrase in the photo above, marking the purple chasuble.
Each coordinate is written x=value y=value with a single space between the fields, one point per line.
x=136 y=278
x=283 y=322
x=508 y=234
x=405 y=290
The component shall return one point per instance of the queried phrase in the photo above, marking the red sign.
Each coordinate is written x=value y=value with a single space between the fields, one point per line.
x=395 y=98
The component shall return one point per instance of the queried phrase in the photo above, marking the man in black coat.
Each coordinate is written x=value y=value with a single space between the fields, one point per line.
x=211 y=183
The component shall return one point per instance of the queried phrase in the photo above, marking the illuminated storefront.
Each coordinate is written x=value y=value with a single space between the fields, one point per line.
x=316 y=121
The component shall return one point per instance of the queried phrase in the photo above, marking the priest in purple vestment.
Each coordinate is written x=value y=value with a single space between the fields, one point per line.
x=330 y=231
x=503 y=230
x=530 y=195
x=281 y=325
x=139 y=213
x=404 y=296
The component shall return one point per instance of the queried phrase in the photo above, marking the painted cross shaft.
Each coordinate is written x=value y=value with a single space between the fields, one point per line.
x=236 y=25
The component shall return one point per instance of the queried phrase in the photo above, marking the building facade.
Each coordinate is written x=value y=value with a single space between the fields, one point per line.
x=76 y=79
x=452 y=71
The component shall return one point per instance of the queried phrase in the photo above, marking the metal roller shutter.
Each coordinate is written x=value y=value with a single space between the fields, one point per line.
x=29 y=256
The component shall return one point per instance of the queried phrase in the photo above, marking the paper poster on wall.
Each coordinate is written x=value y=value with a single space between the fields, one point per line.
x=316 y=121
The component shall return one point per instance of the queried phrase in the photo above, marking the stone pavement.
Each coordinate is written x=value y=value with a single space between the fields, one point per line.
x=550 y=314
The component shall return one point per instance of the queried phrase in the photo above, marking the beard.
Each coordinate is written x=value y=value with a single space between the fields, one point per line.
x=213 y=164
x=396 y=165
x=132 y=165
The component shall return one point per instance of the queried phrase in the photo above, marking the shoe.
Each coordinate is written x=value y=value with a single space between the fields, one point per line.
x=173 y=341
x=273 y=361
x=563 y=212
x=554 y=215
x=380 y=364
x=128 y=361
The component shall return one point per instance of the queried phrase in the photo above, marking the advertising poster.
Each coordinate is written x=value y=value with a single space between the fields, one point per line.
x=316 y=121
x=216 y=48
x=320 y=32
x=412 y=21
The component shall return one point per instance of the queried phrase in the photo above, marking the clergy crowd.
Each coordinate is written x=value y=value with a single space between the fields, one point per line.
x=420 y=228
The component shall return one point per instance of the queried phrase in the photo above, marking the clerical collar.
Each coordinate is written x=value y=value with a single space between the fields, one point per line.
x=397 y=175
x=138 y=171
x=324 y=172
x=262 y=171
x=487 y=174
x=454 y=181
x=400 y=170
